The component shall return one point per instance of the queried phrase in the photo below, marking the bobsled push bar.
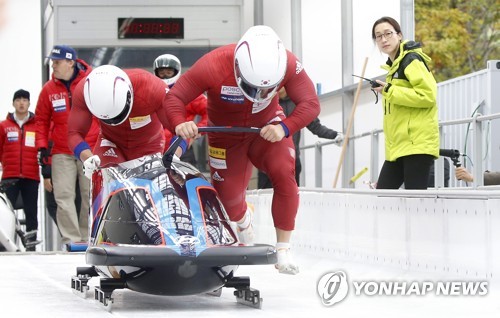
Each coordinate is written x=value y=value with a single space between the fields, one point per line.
x=169 y=154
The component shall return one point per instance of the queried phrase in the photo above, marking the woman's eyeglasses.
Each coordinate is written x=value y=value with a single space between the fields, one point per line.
x=386 y=35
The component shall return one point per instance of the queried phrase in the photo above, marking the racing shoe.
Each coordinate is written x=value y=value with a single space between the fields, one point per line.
x=31 y=243
x=285 y=264
x=246 y=234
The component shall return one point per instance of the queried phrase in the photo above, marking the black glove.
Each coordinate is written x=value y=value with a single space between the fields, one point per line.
x=43 y=156
x=332 y=134
x=168 y=156
x=167 y=159
x=47 y=171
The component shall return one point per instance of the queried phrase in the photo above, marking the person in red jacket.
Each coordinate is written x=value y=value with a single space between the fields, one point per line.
x=168 y=68
x=19 y=160
x=241 y=81
x=128 y=104
x=53 y=107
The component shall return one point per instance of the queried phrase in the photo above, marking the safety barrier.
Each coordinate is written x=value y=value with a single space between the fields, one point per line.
x=444 y=232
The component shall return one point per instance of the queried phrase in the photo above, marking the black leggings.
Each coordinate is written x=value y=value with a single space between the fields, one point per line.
x=412 y=171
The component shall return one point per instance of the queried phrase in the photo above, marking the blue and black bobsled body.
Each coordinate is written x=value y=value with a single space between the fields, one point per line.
x=163 y=231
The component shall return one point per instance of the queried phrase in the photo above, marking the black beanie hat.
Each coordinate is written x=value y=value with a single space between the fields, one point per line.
x=21 y=94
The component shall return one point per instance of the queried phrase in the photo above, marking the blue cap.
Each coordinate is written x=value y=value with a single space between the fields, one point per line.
x=62 y=52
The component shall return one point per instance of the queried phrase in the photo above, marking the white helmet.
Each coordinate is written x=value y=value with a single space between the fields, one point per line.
x=168 y=61
x=108 y=94
x=260 y=62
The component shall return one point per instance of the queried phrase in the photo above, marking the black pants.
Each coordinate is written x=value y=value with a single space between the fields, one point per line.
x=412 y=171
x=29 y=192
x=51 y=205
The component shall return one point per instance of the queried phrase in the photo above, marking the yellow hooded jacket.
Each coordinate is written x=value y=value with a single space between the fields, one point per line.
x=410 y=109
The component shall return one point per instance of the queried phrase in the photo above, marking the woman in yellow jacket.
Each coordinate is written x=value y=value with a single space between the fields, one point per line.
x=410 y=111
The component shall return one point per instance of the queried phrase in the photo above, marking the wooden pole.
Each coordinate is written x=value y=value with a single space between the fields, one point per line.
x=349 y=125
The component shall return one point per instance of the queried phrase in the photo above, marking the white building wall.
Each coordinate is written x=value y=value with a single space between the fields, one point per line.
x=20 y=52
x=94 y=23
x=88 y=24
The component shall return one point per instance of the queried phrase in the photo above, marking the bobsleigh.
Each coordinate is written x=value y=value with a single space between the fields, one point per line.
x=157 y=226
x=12 y=237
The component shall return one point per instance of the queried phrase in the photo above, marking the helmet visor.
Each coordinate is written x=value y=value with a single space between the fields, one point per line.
x=253 y=93
x=120 y=118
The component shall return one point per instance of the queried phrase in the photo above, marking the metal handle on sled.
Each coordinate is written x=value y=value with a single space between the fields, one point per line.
x=169 y=154
x=229 y=129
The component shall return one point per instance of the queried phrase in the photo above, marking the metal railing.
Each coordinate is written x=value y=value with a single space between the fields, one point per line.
x=479 y=123
x=469 y=107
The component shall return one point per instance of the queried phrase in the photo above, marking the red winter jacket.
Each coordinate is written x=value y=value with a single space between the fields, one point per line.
x=53 y=106
x=17 y=149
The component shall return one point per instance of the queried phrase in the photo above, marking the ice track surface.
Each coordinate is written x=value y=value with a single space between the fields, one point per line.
x=38 y=285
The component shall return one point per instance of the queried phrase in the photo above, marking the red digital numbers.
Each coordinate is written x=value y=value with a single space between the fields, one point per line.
x=139 y=28
x=153 y=28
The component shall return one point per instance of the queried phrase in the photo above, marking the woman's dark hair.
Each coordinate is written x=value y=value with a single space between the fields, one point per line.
x=389 y=20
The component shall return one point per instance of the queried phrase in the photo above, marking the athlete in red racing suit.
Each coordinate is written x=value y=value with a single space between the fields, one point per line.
x=231 y=155
x=140 y=134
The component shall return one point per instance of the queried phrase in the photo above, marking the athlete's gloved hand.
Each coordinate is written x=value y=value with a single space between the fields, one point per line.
x=43 y=156
x=339 y=139
x=90 y=165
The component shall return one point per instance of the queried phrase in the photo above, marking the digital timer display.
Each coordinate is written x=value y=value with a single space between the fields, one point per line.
x=151 y=28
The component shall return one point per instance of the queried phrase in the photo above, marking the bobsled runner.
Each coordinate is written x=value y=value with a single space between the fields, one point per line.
x=157 y=226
